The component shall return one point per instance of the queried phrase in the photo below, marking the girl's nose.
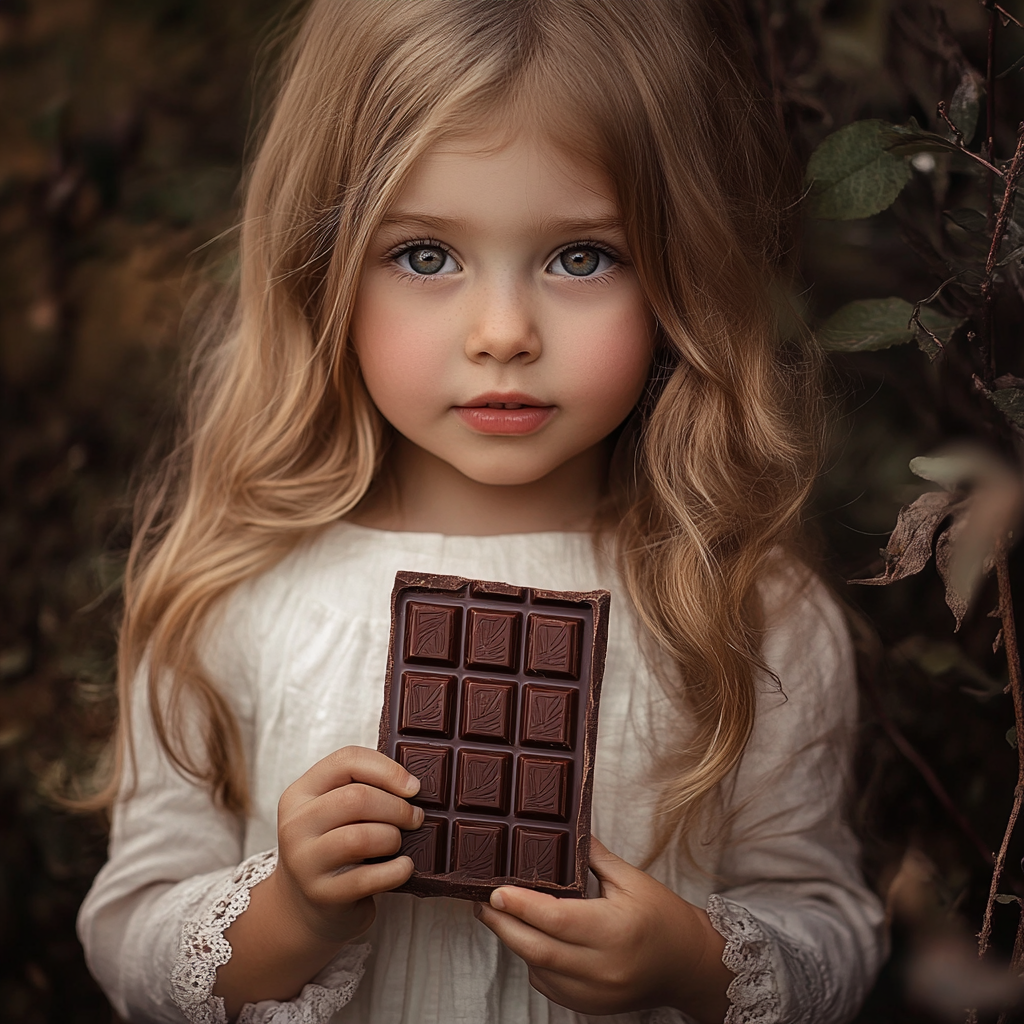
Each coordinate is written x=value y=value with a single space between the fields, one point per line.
x=503 y=326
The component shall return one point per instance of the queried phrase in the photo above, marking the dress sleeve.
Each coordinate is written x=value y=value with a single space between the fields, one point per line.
x=152 y=924
x=804 y=935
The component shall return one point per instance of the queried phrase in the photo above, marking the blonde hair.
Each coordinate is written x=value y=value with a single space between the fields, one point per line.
x=281 y=438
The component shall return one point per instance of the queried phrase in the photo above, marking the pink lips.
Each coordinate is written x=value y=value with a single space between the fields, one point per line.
x=512 y=413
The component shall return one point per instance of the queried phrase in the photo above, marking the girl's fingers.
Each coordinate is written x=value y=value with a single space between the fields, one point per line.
x=569 y=921
x=612 y=872
x=532 y=944
x=351 y=845
x=351 y=764
x=362 y=880
x=352 y=803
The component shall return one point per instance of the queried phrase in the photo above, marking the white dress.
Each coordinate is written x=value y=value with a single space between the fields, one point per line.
x=300 y=652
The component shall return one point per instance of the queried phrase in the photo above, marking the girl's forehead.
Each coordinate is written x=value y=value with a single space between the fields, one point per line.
x=525 y=174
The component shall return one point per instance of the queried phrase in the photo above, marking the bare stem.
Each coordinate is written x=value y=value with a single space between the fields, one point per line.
x=1017 y=690
x=1013 y=174
x=990 y=102
x=1002 y=218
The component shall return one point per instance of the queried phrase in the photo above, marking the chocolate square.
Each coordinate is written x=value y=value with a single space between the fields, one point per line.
x=542 y=787
x=432 y=633
x=488 y=706
x=553 y=646
x=491 y=700
x=478 y=849
x=548 y=716
x=432 y=766
x=482 y=781
x=492 y=639
x=428 y=705
x=427 y=846
x=538 y=855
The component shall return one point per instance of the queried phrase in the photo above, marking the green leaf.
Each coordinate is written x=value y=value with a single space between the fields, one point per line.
x=854 y=173
x=1005 y=897
x=867 y=325
x=1010 y=402
x=964 y=106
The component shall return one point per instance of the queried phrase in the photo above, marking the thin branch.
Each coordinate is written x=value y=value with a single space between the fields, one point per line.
x=1017 y=689
x=1002 y=218
x=915 y=318
x=990 y=102
x=1006 y=16
x=998 y=231
x=906 y=748
x=949 y=123
x=961 y=148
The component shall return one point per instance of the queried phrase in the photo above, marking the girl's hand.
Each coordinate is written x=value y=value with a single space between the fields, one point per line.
x=638 y=946
x=347 y=808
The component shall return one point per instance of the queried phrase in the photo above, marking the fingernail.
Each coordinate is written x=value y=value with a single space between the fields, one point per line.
x=497 y=900
x=412 y=787
x=417 y=817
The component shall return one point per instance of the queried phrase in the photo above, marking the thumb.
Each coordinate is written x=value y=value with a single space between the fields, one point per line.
x=612 y=872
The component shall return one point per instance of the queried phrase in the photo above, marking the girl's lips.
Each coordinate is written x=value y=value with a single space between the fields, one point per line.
x=485 y=419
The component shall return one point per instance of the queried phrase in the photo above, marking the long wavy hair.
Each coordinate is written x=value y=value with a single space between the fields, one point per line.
x=281 y=438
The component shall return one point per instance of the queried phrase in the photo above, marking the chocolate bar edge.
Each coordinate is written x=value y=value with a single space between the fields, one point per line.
x=600 y=601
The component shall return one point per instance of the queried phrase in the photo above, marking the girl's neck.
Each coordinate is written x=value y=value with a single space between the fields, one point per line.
x=420 y=493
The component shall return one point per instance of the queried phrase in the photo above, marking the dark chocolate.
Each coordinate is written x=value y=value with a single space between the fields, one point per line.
x=491 y=700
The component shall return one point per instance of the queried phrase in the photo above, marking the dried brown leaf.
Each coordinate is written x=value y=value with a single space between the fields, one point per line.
x=910 y=545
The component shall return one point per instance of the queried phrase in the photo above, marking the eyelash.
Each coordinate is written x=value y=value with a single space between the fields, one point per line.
x=432 y=243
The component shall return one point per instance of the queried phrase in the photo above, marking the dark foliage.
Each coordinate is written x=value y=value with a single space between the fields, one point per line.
x=123 y=128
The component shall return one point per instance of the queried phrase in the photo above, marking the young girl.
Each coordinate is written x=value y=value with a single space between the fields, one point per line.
x=509 y=310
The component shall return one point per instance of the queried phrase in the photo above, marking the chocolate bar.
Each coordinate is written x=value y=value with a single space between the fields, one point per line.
x=491 y=700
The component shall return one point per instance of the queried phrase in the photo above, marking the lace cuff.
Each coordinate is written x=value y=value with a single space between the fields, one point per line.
x=768 y=968
x=203 y=948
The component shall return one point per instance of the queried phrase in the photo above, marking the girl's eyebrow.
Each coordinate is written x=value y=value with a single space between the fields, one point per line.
x=572 y=225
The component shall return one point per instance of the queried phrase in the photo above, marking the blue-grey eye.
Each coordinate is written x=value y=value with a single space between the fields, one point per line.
x=580 y=261
x=427 y=259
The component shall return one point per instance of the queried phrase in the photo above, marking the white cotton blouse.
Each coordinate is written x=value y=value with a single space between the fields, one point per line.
x=300 y=653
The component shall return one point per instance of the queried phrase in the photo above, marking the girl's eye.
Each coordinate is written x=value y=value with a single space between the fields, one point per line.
x=581 y=261
x=426 y=260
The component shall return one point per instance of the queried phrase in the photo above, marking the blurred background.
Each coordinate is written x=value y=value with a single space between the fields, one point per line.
x=122 y=133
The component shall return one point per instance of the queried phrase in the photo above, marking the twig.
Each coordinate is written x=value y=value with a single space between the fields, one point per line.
x=952 y=127
x=961 y=148
x=1002 y=218
x=990 y=102
x=998 y=231
x=906 y=748
x=1017 y=689
x=915 y=318
x=1006 y=16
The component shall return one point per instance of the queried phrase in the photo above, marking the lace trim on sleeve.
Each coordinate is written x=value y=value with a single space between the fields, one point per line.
x=757 y=955
x=203 y=948
x=753 y=993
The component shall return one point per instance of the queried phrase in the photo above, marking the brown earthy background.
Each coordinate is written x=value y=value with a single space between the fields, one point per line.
x=122 y=126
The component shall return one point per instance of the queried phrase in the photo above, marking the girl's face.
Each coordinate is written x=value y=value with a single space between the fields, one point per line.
x=499 y=323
